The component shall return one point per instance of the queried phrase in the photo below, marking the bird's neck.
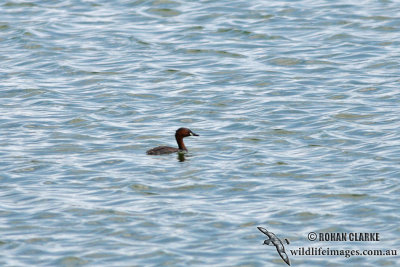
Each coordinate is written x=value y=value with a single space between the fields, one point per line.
x=181 y=145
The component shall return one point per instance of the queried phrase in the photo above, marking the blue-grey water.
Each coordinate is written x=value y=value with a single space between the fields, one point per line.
x=297 y=105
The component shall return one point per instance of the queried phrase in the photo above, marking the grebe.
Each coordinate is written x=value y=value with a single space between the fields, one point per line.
x=179 y=135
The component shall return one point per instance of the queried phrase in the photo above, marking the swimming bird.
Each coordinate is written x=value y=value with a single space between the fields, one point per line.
x=179 y=135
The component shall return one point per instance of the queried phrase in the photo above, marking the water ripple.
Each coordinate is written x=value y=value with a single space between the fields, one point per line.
x=296 y=104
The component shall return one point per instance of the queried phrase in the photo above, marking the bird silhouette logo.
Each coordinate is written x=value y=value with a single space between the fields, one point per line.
x=273 y=240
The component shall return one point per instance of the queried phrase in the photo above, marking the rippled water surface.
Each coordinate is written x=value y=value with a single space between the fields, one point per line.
x=297 y=105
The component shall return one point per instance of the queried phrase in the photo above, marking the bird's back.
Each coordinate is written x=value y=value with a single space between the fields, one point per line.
x=162 y=150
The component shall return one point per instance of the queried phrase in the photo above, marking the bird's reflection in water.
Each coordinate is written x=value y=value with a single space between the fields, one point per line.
x=181 y=156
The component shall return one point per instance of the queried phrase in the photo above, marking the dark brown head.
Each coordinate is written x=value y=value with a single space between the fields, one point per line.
x=183 y=132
